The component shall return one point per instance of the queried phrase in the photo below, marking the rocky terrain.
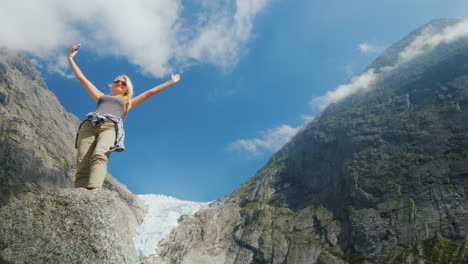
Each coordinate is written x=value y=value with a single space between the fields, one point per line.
x=379 y=177
x=71 y=226
x=37 y=153
x=35 y=132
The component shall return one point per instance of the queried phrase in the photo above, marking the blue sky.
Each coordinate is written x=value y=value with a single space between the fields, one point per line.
x=250 y=71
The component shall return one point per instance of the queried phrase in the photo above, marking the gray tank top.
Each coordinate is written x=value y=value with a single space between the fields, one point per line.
x=111 y=105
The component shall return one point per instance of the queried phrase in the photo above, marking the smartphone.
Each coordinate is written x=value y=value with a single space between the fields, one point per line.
x=77 y=48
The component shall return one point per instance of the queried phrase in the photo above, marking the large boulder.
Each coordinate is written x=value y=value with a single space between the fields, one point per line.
x=71 y=226
x=37 y=138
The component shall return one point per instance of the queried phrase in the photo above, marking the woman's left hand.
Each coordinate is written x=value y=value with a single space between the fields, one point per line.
x=175 y=77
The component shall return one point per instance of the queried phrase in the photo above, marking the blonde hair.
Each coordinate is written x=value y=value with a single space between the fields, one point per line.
x=129 y=93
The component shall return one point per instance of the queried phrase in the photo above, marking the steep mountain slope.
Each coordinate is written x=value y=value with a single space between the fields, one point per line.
x=37 y=136
x=380 y=176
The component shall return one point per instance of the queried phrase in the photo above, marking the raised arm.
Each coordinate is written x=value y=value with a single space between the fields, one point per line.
x=92 y=90
x=142 y=97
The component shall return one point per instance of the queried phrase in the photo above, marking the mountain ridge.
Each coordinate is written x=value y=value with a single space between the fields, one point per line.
x=374 y=176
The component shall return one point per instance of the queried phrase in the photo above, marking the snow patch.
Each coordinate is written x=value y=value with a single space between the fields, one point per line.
x=163 y=213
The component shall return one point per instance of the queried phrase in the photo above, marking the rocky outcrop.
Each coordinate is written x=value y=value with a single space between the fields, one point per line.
x=71 y=226
x=204 y=238
x=253 y=233
x=134 y=207
x=37 y=136
x=36 y=133
x=435 y=250
x=376 y=178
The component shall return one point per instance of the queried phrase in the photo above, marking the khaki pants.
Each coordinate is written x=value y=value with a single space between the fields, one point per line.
x=93 y=153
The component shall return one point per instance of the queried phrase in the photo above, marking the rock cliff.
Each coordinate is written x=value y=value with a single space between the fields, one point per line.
x=37 y=135
x=70 y=226
x=380 y=177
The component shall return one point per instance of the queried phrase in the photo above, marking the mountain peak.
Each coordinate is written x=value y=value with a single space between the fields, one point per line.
x=370 y=178
x=391 y=55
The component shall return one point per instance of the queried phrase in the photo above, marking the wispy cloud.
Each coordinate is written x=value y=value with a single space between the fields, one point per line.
x=222 y=35
x=307 y=118
x=271 y=140
x=275 y=138
x=361 y=82
x=156 y=35
x=369 y=48
x=428 y=40
x=425 y=42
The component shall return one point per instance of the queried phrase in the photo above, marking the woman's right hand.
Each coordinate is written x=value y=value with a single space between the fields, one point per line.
x=73 y=50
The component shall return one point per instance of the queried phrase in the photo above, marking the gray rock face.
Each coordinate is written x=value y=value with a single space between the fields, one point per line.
x=376 y=178
x=72 y=226
x=202 y=238
x=134 y=207
x=37 y=137
x=435 y=250
x=252 y=233
x=36 y=133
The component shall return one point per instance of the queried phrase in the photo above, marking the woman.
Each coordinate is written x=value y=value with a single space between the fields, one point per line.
x=102 y=130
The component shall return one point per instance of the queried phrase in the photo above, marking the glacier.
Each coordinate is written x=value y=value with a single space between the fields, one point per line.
x=163 y=213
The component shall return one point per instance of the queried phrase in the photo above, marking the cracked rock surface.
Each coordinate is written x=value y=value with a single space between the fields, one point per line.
x=71 y=226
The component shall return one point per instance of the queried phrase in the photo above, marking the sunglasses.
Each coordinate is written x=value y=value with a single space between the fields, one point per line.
x=122 y=82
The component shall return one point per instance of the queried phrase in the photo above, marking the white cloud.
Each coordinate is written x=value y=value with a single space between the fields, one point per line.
x=274 y=139
x=361 y=82
x=307 y=118
x=156 y=35
x=428 y=40
x=271 y=140
x=368 y=48
x=425 y=42
x=222 y=35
